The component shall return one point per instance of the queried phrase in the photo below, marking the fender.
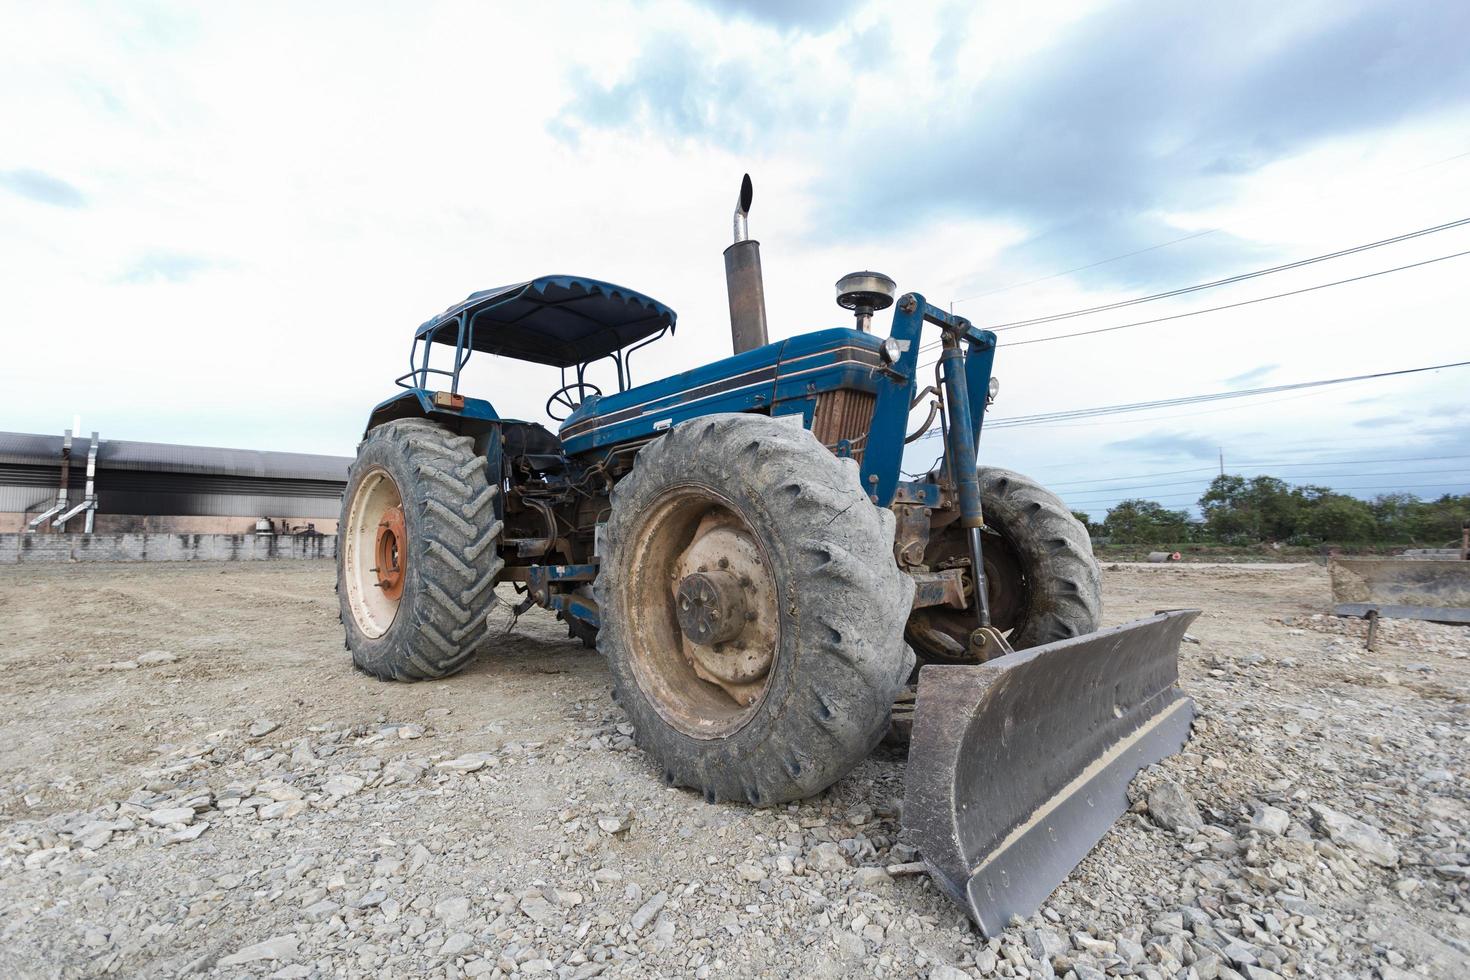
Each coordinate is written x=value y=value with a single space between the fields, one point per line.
x=474 y=417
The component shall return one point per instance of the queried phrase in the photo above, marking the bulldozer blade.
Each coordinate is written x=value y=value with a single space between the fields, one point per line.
x=1018 y=766
x=1401 y=582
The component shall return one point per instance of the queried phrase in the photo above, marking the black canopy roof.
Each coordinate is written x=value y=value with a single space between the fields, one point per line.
x=556 y=320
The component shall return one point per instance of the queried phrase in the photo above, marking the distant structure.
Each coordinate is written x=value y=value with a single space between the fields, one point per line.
x=66 y=483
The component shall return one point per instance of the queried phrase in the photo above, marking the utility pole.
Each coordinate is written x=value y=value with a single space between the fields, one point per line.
x=1222 y=460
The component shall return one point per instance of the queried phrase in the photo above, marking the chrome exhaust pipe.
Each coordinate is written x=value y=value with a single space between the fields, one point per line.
x=743 y=279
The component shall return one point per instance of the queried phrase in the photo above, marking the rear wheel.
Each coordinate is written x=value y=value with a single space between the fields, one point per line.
x=418 y=552
x=752 y=613
x=1044 y=584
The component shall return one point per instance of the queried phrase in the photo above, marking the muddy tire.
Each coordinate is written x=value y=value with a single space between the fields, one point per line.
x=1045 y=584
x=429 y=487
x=822 y=604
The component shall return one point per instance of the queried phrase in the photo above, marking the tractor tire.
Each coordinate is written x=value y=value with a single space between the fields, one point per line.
x=1044 y=583
x=430 y=617
x=820 y=604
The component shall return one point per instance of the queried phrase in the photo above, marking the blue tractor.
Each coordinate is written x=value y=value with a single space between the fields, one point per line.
x=741 y=545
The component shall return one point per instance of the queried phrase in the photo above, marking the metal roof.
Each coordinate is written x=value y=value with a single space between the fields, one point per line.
x=123 y=454
x=556 y=320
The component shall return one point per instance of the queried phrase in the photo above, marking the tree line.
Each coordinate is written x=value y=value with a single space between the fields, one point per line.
x=1245 y=511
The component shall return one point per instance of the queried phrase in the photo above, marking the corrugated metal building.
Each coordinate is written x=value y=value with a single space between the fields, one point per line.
x=149 y=486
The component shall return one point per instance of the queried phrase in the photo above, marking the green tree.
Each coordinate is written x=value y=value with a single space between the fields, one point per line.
x=1337 y=517
x=1262 y=508
x=1146 y=522
x=1437 y=523
x=1395 y=514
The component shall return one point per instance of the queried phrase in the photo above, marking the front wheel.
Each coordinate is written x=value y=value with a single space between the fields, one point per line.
x=752 y=612
x=418 y=551
x=1044 y=583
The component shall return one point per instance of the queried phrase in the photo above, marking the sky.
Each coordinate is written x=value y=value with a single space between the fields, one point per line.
x=220 y=224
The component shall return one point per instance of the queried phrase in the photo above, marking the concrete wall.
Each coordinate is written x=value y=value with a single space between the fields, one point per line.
x=44 y=547
x=166 y=524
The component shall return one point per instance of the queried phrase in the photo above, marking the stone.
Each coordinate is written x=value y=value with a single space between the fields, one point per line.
x=826 y=857
x=120 y=665
x=1174 y=809
x=615 y=824
x=872 y=877
x=535 y=907
x=189 y=833
x=453 y=909
x=1270 y=820
x=262 y=727
x=946 y=972
x=340 y=786
x=465 y=764
x=94 y=835
x=456 y=944
x=320 y=911
x=750 y=871
x=850 y=947
x=646 y=913
x=275 y=948
x=408 y=732
x=171 y=815
x=281 y=810
x=370 y=899
x=1045 y=943
x=155 y=658
x=1355 y=835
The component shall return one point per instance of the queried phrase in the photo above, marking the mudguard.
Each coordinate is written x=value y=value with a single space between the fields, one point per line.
x=1019 y=765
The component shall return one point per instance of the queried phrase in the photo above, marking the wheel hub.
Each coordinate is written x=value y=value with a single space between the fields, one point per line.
x=711 y=607
x=389 y=551
x=703 y=621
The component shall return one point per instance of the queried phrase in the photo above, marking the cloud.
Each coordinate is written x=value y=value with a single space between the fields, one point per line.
x=43 y=188
x=1380 y=421
x=1141 y=110
x=676 y=90
x=786 y=14
x=1254 y=374
x=167 y=267
x=1165 y=444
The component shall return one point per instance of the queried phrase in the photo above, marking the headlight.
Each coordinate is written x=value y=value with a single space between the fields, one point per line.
x=994 y=387
x=890 y=350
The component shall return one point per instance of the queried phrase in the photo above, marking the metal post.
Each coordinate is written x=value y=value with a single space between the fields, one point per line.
x=960 y=448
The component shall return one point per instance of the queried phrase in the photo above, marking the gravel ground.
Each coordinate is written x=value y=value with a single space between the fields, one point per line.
x=193 y=779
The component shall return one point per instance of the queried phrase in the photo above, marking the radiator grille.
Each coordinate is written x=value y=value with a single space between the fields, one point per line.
x=844 y=415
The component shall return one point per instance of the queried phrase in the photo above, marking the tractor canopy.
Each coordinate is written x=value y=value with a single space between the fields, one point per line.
x=562 y=321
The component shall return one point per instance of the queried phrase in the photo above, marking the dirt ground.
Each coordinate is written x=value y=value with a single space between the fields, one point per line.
x=193 y=779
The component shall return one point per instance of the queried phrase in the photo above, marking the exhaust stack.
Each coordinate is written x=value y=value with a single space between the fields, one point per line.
x=743 y=280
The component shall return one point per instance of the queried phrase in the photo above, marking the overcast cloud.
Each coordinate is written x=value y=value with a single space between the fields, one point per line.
x=226 y=221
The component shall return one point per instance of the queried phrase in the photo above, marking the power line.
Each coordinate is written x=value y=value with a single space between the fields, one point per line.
x=1196 y=399
x=1211 y=309
x=1241 y=277
x=1175 y=241
x=1231 y=306
x=1090 y=265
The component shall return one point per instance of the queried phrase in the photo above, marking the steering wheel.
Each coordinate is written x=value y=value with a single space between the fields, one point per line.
x=563 y=396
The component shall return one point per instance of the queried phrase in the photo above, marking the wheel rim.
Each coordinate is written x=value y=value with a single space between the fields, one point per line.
x=703 y=626
x=942 y=633
x=375 y=553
